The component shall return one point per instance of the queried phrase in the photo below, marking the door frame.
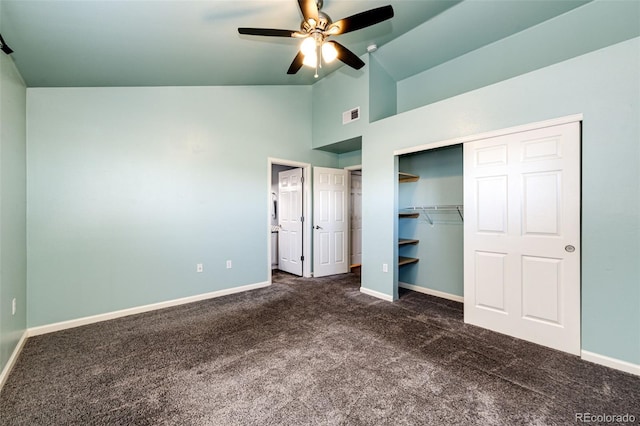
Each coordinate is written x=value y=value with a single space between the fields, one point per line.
x=306 y=210
x=351 y=169
x=486 y=135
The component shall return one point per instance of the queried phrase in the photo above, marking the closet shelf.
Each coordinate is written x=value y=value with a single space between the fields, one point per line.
x=407 y=177
x=406 y=215
x=402 y=260
x=435 y=209
x=406 y=241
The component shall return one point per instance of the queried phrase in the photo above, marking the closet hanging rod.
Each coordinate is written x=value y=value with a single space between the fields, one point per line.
x=436 y=208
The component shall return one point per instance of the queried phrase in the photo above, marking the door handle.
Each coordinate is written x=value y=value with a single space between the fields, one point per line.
x=569 y=248
x=318 y=227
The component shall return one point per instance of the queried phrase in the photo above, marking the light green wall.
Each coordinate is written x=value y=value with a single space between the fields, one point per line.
x=13 y=255
x=514 y=82
x=129 y=188
x=440 y=249
x=353 y=158
x=604 y=87
x=383 y=92
x=340 y=91
x=584 y=29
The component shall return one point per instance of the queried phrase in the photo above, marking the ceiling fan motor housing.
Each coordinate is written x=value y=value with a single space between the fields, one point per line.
x=324 y=21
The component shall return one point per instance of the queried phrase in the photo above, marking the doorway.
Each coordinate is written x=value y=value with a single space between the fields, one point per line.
x=300 y=243
x=355 y=216
x=288 y=220
x=430 y=222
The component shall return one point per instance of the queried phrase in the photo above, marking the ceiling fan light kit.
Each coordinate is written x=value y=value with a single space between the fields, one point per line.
x=329 y=52
x=316 y=27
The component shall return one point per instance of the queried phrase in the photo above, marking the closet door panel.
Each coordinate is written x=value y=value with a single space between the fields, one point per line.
x=522 y=206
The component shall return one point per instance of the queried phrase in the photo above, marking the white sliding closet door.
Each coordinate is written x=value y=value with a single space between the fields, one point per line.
x=522 y=235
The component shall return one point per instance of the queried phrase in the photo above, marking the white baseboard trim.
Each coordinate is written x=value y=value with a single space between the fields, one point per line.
x=63 y=325
x=12 y=359
x=431 y=292
x=625 y=366
x=376 y=294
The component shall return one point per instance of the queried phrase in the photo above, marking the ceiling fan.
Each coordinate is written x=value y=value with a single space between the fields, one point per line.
x=3 y=46
x=316 y=28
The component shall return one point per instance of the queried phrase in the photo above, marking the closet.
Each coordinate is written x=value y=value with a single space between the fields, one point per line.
x=514 y=258
x=430 y=222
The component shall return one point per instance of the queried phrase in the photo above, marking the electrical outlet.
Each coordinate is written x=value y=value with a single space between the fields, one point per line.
x=199 y=267
x=229 y=265
x=385 y=267
x=13 y=306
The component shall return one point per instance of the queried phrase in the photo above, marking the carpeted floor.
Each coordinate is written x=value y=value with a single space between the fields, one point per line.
x=304 y=351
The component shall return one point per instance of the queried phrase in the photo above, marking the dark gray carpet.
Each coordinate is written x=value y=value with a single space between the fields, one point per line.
x=304 y=351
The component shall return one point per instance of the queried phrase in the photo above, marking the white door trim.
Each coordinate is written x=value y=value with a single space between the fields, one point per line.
x=306 y=209
x=350 y=169
x=493 y=133
x=351 y=208
x=354 y=168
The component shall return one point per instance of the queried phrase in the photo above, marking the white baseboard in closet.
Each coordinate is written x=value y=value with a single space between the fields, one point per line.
x=431 y=292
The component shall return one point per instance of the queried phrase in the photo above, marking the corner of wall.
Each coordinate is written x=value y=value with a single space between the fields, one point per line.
x=13 y=258
x=383 y=92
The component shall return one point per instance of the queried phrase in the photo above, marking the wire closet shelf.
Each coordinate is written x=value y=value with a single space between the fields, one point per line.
x=428 y=211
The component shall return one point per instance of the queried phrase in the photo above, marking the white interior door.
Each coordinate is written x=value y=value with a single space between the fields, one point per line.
x=290 y=221
x=522 y=235
x=331 y=224
x=356 y=218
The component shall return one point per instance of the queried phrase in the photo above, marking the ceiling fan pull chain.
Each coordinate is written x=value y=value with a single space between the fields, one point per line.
x=318 y=61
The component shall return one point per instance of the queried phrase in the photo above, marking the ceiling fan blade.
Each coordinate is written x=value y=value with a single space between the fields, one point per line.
x=269 y=32
x=296 y=64
x=3 y=46
x=347 y=56
x=361 y=20
x=309 y=9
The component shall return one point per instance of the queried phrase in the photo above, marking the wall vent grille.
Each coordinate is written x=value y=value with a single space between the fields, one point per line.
x=351 y=115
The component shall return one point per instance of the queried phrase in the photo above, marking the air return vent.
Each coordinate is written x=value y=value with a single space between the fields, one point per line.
x=351 y=115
